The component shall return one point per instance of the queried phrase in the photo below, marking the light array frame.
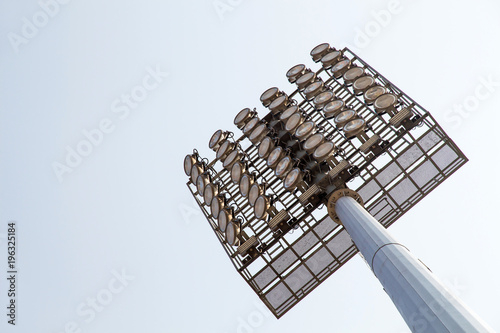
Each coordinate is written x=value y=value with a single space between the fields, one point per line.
x=299 y=246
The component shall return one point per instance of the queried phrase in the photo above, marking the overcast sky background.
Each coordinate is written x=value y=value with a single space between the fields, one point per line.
x=124 y=210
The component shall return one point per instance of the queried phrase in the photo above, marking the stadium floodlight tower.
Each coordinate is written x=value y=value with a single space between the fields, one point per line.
x=319 y=178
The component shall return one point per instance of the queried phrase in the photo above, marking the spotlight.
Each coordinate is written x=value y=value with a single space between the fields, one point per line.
x=313 y=142
x=295 y=72
x=275 y=156
x=333 y=108
x=211 y=191
x=224 y=218
x=343 y=117
x=258 y=133
x=294 y=121
x=330 y=59
x=231 y=158
x=340 y=68
x=269 y=95
x=202 y=181
x=325 y=152
x=319 y=51
x=283 y=167
x=216 y=139
x=362 y=83
x=313 y=89
x=354 y=127
x=189 y=161
x=262 y=206
x=196 y=170
x=255 y=191
x=246 y=183
x=237 y=171
x=352 y=74
x=386 y=103
x=305 y=130
x=250 y=125
x=243 y=117
x=216 y=206
x=293 y=179
x=224 y=149
x=373 y=93
x=279 y=104
x=305 y=80
x=232 y=233
x=265 y=147
x=288 y=113
x=323 y=98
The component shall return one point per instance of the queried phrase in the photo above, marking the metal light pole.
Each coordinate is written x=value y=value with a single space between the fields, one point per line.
x=275 y=196
x=423 y=301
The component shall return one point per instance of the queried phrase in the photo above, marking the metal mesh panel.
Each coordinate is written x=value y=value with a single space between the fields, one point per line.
x=284 y=261
x=299 y=278
x=320 y=261
x=340 y=243
x=325 y=227
x=369 y=190
x=278 y=295
x=265 y=277
x=403 y=191
x=305 y=243
x=389 y=174
x=424 y=173
x=444 y=157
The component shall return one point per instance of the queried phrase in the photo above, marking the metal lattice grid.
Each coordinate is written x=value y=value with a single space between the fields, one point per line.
x=393 y=165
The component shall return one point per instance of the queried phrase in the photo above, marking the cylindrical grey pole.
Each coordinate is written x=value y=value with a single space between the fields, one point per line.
x=425 y=304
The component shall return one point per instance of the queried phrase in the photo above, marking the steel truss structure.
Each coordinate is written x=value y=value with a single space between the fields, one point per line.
x=400 y=156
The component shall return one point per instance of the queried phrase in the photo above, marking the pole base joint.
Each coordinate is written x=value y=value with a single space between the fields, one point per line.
x=343 y=192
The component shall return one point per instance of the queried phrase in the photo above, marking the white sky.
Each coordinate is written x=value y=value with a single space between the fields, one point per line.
x=125 y=205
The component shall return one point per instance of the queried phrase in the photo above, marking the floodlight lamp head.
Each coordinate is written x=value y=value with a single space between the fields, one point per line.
x=293 y=179
x=341 y=67
x=237 y=171
x=373 y=93
x=224 y=218
x=305 y=130
x=283 y=167
x=330 y=59
x=189 y=161
x=295 y=72
x=231 y=158
x=261 y=207
x=232 y=233
x=333 y=108
x=269 y=95
x=265 y=147
x=224 y=149
x=319 y=51
x=352 y=74
x=354 y=127
x=216 y=139
x=322 y=99
x=243 y=117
